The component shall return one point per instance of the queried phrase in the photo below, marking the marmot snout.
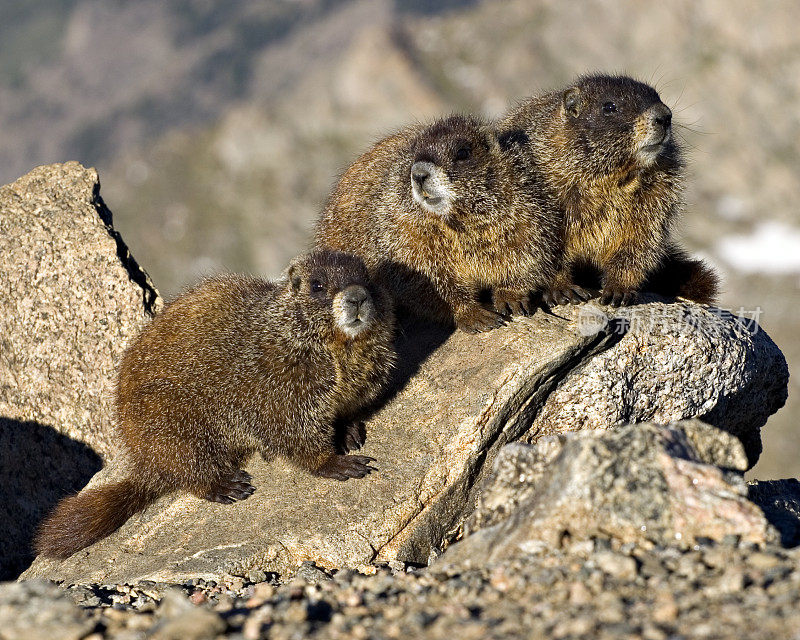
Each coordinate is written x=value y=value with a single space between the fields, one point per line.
x=354 y=310
x=431 y=187
x=653 y=134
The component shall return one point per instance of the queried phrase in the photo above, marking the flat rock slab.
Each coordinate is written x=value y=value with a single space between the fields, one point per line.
x=71 y=297
x=462 y=397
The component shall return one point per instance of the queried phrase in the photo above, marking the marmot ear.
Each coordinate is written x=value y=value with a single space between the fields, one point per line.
x=293 y=277
x=508 y=139
x=572 y=101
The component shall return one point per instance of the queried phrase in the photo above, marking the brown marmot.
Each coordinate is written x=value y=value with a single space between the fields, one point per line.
x=602 y=154
x=437 y=214
x=237 y=365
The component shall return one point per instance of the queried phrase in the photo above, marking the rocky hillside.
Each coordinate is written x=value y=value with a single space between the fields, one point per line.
x=218 y=133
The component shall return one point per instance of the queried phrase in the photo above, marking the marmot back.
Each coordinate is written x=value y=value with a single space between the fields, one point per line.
x=234 y=366
x=603 y=152
x=437 y=216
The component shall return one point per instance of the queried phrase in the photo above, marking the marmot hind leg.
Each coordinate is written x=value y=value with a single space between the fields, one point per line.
x=681 y=275
x=344 y=467
x=211 y=471
x=230 y=488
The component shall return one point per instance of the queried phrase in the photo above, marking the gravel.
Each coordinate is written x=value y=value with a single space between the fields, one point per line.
x=597 y=588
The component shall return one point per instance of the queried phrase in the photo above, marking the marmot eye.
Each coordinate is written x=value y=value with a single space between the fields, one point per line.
x=463 y=153
x=609 y=108
x=316 y=286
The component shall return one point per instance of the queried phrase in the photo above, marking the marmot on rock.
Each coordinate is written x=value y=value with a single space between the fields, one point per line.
x=437 y=214
x=238 y=365
x=602 y=154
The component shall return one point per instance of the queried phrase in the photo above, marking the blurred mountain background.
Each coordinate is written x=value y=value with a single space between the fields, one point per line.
x=219 y=127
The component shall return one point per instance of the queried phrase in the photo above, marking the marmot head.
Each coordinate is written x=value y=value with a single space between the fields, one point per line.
x=454 y=161
x=336 y=294
x=616 y=124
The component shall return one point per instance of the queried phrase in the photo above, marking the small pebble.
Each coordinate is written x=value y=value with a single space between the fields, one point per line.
x=255 y=576
x=760 y=560
x=622 y=567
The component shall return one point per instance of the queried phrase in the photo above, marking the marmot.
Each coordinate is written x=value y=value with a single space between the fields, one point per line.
x=238 y=365
x=437 y=214
x=603 y=154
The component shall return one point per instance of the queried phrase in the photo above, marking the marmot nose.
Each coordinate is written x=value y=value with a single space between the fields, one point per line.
x=420 y=171
x=354 y=296
x=662 y=116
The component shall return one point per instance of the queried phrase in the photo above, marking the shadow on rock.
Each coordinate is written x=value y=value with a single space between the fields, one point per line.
x=38 y=467
x=780 y=501
x=415 y=341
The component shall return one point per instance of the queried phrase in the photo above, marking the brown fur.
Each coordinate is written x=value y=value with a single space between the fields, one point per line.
x=604 y=158
x=238 y=365
x=678 y=275
x=439 y=263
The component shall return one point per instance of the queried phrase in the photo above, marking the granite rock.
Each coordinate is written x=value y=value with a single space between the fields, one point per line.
x=71 y=296
x=646 y=484
x=675 y=361
x=456 y=400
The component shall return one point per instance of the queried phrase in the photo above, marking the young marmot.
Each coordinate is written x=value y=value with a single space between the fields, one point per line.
x=234 y=366
x=438 y=215
x=603 y=155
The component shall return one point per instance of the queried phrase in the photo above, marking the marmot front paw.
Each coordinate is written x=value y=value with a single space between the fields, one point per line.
x=478 y=319
x=619 y=297
x=512 y=302
x=570 y=294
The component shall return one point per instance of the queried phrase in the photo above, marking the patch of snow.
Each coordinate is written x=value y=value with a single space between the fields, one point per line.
x=772 y=248
x=731 y=208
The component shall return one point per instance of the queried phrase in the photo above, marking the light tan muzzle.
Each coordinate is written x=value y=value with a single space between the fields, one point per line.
x=354 y=310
